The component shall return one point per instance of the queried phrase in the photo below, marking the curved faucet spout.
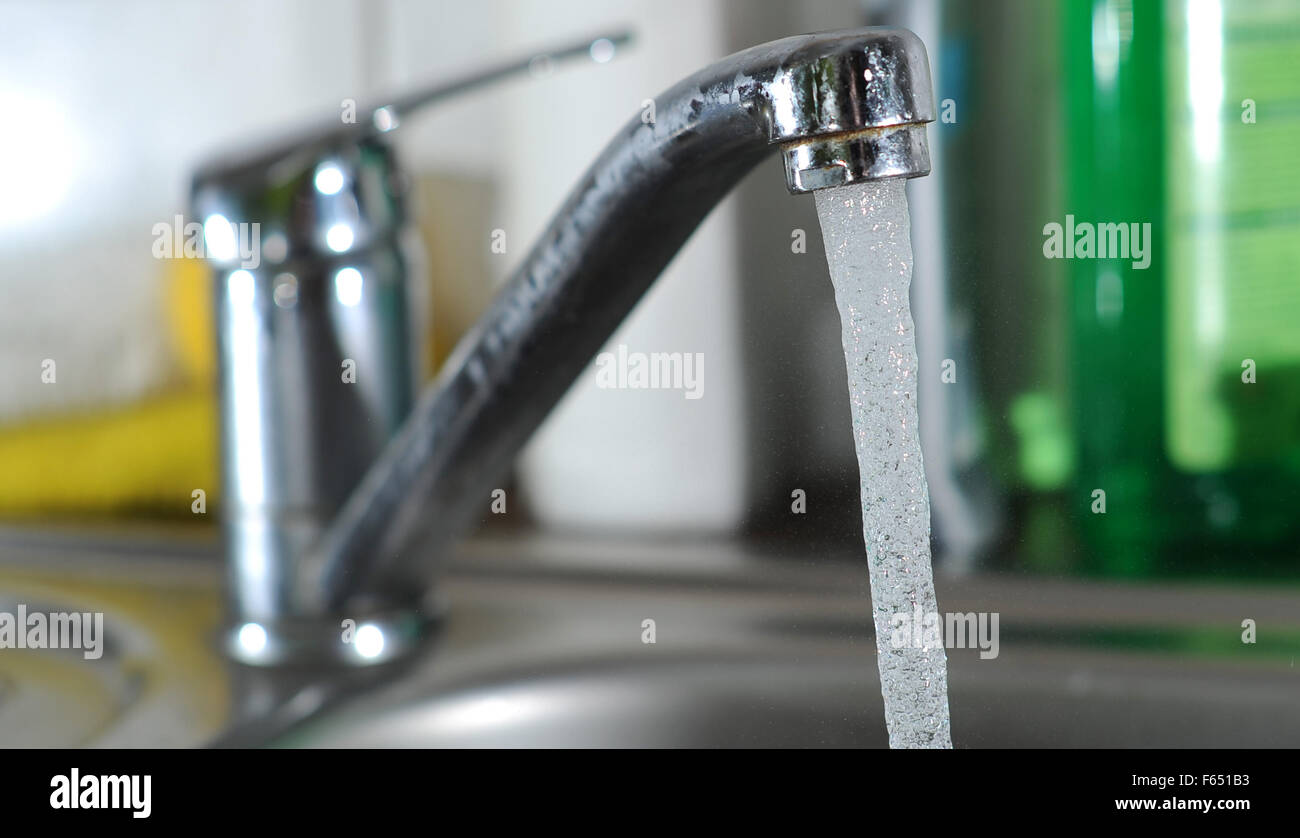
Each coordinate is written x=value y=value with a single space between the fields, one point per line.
x=840 y=107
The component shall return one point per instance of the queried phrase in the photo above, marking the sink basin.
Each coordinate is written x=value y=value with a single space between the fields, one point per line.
x=543 y=646
x=158 y=681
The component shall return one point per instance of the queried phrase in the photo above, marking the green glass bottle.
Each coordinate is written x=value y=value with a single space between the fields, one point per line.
x=1185 y=370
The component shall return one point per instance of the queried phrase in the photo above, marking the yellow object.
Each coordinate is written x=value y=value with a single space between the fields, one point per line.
x=189 y=315
x=147 y=457
x=150 y=456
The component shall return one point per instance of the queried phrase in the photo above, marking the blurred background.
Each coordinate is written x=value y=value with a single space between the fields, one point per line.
x=1070 y=375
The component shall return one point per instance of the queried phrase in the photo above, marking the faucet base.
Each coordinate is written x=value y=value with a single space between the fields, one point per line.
x=375 y=638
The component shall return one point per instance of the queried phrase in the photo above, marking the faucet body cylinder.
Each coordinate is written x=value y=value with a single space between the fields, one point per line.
x=317 y=365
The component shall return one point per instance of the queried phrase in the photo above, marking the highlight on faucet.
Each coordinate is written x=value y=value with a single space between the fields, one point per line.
x=425 y=373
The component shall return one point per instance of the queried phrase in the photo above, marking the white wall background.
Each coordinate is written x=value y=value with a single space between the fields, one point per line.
x=105 y=109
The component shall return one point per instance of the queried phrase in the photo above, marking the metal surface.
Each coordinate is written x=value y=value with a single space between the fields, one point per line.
x=151 y=678
x=544 y=646
x=316 y=356
x=866 y=101
x=854 y=95
x=851 y=158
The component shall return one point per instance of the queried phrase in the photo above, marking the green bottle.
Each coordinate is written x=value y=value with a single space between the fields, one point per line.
x=1185 y=353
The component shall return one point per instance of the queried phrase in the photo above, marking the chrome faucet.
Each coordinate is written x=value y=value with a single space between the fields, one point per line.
x=341 y=496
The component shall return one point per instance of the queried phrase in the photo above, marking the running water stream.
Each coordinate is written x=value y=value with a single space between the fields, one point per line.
x=866 y=232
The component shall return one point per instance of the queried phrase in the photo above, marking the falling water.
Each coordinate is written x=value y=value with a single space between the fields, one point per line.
x=865 y=229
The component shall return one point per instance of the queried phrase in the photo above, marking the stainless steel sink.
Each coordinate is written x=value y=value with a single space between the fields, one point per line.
x=542 y=644
x=158 y=682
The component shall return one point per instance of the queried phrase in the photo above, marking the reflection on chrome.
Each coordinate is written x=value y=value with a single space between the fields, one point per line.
x=602 y=50
x=347 y=286
x=246 y=394
x=385 y=119
x=219 y=238
x=339 y=237
x=252 y=638
x=329 y=179
x=285 y=292
x=369 y=641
